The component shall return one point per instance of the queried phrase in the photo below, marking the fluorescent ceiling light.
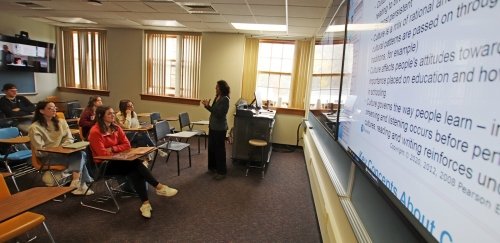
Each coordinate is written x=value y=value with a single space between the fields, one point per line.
x=263 y=27
x=357 y=27
x=72 y=20
x=167 y=23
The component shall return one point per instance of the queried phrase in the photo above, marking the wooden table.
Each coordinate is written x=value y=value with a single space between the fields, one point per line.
x=28 y=199
x=129 y=155
x=16 y=140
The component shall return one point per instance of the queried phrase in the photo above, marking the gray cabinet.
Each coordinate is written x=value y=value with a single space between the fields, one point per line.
x=259 y=126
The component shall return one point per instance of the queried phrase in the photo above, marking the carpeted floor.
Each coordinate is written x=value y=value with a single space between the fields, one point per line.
x=277 y=208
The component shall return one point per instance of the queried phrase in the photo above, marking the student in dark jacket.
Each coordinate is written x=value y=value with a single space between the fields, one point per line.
x=217 y=130
x=13 y=105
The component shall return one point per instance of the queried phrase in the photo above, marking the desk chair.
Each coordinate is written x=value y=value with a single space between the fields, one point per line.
x=97 y=200
x=15 y=157
x=21 y=223
x=185 y=122
x=51 y=173
x=163 y=142
x=155 y=117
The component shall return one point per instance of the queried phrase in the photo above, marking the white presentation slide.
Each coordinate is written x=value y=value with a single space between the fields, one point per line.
x=426 y=117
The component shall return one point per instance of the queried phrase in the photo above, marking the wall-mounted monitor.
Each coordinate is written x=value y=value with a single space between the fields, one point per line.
x=22 y=54
x=425 y=125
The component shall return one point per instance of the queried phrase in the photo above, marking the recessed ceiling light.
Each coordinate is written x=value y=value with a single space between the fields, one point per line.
x=167 y=23
x=262 y=27
x=357 y=27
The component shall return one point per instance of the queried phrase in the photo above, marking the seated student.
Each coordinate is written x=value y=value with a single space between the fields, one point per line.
x=127 y=118
x=106 y=138
x=13 y=105
x=87 y=118
x=49 y=131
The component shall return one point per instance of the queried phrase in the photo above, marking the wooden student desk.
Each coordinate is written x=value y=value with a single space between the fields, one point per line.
x=129 y=155
x=28 y=199
x=16 y=140
x=143 y=128
x=62 y=150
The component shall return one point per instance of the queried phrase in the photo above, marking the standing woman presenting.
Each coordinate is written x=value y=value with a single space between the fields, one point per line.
x=217 y=130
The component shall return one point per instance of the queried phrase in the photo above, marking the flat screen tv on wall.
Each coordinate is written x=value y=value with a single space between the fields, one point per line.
x=22 y=54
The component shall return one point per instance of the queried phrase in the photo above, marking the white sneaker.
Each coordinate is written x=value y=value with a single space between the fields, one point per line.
x=162 y=153
x=166 y=191
x=146 y=210
x=82 y=189
x=49 y=180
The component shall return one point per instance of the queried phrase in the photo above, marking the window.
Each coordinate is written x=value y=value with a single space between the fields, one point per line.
x=325 y=84
x=274 y=71
x=172 y=64
x=83 y=59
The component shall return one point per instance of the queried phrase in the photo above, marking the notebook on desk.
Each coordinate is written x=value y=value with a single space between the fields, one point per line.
x=76 y=145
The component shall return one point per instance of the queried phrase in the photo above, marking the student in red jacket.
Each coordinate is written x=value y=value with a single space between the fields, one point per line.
x=106 y=138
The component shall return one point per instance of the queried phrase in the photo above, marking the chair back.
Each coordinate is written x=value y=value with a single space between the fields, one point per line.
x=162 y=129
x=155 y=117
x=40 y=166
x=4 y=190
x=60 y=115
x=9 y=132
x=184 y=121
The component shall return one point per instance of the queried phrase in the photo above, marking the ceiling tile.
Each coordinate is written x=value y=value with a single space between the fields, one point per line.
x=268 y=10
x=234 y=9
x=306 y=12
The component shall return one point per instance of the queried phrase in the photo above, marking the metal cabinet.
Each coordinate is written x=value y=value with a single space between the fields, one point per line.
x=259 y=126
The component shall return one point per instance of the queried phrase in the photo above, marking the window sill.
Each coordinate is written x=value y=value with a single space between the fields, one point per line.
x=169 y=99
x=290 y=111
x=84 y=91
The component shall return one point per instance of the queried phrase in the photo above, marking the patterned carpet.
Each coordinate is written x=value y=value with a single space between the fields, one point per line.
x=277 y=208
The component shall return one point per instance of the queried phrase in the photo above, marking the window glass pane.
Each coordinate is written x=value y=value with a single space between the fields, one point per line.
x=289 y=50
x=277 y=51
x=315 y=83
x=262 y=79
x=287 y=66
x=284 y=94
x=275 y=65
x=265 y=50
x=274 y=80
x=264 y=64
x=325 y=83
x=286 y=81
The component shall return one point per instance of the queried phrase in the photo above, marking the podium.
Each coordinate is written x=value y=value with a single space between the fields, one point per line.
x=257 y=126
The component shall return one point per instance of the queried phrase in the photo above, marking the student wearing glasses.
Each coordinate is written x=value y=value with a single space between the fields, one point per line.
x=107 y=138
x=48 y=131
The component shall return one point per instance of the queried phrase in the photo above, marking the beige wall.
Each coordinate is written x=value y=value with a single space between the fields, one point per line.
x=46 y=83
x=222 y=58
